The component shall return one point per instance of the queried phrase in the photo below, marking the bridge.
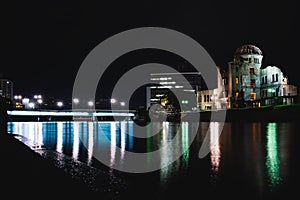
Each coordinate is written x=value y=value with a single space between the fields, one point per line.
x=71 y=114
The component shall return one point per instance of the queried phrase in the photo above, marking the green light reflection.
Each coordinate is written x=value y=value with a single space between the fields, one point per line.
x=272 y=160
x=185 y=143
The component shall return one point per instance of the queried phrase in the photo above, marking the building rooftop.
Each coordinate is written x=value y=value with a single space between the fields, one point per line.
x=247 y=49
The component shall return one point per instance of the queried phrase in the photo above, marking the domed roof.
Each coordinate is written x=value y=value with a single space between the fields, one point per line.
x=248 y=49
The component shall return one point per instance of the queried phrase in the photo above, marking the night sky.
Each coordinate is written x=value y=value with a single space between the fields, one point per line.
x=45 y=41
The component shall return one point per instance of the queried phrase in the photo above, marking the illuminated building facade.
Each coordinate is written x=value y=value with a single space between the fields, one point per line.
x=163 y=83
x=244 y=84
x=275 y=88
x=251 y=85
x=244 y=76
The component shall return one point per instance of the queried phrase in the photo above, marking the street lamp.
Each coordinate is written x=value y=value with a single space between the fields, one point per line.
x=113 y=100
x=122 y=103
x=59 y=104
x=90 y=103
x=76 y=101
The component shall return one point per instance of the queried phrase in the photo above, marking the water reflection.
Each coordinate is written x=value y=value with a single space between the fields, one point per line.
x=185 y=143
x=245 y=153
x=272 y=160
x=113 y=143
x=59 y=143
x=215 y=152
x=76 y=139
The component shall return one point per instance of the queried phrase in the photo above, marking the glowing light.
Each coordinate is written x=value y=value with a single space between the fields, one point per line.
x=113 y=143
x=122 y=103
x=90 y=145
x=90 y=103
x=64 y=113
x=25 y=101
x=59 y=104
x=185 y=143
x=31 y=105
x=75 y=140
x=272 y=160
x=40 y=101
x=123 y=137
x=167 y=83
x=178 y=86
x=113 y=100
x=16 y=97
x=215 y=153
x=75 y=100
x=59 y=143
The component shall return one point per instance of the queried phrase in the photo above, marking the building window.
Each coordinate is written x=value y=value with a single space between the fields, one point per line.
x=252 y=83
x=276 y=78
x=252 y=96
x=266 y=80
x=236 y=94
x=256 y=60
x=250 y=60
x=236 y=69
x=204 y=98
x=237 y=80
x=251 y=70
x=262 y=80
x=273 y=79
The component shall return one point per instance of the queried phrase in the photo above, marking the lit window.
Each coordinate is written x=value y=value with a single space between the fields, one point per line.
x=236 y=94
x=252 y=95
x=236 y=80
x=252 y=83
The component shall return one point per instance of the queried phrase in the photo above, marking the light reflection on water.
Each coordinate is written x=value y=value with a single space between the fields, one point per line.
x=272 y=160
x=251 y=152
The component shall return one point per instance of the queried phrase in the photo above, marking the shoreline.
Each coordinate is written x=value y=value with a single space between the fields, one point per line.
x=27 y=168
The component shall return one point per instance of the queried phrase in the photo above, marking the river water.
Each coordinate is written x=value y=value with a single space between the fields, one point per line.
x=254 y=160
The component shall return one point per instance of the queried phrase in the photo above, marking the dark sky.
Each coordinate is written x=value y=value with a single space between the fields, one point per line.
x=45 y=41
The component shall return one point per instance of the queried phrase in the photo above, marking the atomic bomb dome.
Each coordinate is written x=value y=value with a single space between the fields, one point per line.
x=248 y=50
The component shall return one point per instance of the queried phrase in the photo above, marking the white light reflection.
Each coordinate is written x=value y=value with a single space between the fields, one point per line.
x=40 y=134
x=215 y=153
x=123 y=136
x=166 y=155
x=113 y=143
x=90 y=141
x=75 y=140
x=59 y=143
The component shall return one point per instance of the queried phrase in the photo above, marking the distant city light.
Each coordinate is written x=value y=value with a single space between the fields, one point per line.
x=122 y=103
x=16 y=97
x=25 y=101
x=31 y=105
x=113 y=100
x=40 y=101
x=59 y=104
x=90 y=103
x=37 y=96
x=75 y=100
